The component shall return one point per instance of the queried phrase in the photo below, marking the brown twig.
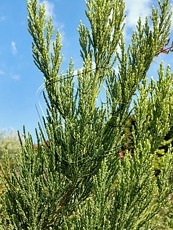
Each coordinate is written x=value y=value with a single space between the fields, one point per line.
x=165 y=50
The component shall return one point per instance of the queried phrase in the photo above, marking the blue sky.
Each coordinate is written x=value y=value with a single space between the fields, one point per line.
x=19 y=77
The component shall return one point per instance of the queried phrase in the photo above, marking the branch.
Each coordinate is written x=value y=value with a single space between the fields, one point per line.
x=165 y=50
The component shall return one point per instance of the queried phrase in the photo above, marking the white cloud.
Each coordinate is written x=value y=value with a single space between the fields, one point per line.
x=50 y=12
x=13 y=48
x=49 y=9
x=15 y=77
x=136 y=9
x=2 y=18
x=49 y=6
x=2 y=73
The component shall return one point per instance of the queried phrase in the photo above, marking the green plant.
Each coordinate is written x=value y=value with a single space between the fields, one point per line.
x=9 y=142
x=76 y=179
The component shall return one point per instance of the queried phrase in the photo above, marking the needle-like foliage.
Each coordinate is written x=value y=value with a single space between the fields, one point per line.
x=74 y=177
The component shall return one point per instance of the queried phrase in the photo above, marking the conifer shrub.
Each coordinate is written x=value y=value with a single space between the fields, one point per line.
x=75 y=178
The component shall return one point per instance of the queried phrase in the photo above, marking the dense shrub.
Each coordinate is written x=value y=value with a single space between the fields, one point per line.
x=74 y=177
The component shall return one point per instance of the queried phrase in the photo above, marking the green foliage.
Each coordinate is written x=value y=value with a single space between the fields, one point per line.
x=128 y=143
x=9 y=142
x=160 y=153
x=75 y=180
x=10 y=146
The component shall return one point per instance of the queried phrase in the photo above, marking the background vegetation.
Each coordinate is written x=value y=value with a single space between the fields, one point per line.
x=75 y=177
